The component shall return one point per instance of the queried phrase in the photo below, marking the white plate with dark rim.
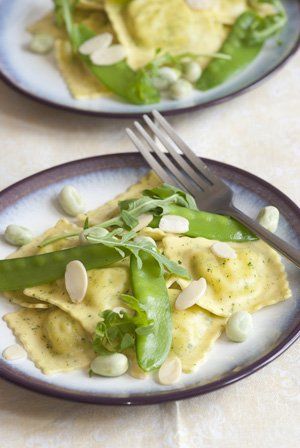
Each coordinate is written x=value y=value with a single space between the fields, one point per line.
x=38 y=78
x=30 y=202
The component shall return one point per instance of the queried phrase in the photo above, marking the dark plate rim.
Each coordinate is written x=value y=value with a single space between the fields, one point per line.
x=253 y=84
x=83 y=166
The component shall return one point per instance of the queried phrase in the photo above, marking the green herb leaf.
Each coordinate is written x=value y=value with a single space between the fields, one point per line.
x=125 y=245
x=117 y=332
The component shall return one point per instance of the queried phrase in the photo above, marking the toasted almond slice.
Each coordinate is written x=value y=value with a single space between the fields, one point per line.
x=14 y=352
x=174 y=224
x=191 y=295
x=170 y=371
x=99 y=42
x=108 y=56
x=144 y=220
x=223 y=250
x=76 y=281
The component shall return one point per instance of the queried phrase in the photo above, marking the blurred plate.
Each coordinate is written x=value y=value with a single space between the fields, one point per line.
x=38 y=77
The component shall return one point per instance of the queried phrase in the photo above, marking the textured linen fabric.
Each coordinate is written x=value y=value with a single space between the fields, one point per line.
x=260 y=132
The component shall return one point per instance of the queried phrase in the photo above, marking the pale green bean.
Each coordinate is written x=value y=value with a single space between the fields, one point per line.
x=17 y=235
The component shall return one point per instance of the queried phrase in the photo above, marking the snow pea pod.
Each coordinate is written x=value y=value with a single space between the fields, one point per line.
x=239 y=46
x=20 y=273
x=210 y=225
x=149 y=287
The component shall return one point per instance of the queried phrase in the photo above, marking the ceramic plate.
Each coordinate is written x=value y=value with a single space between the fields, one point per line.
x=31 y=202
x=37 y=76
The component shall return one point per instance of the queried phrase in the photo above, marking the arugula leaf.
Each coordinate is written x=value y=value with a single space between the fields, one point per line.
x=268 y=25
x=157 y=201
x=116 y=332
x=180 y=197
x=125 y=245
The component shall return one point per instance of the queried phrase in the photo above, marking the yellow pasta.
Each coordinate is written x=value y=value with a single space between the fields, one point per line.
x=194 y=332
x=143 y=26
x=255 y=279
x=53 y=340
x=81 y=83
x=104 y=289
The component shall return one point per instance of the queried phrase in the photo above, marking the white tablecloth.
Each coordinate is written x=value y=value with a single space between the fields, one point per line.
x=260 y=132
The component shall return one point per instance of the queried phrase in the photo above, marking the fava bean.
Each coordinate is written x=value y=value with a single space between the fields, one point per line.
x=41 y=43
x=239 y=326
x=180 y=89
x=165 y=77
x=191 y=71
x=268 y=217
x=71 y=201
x=17 y=235
x=110 y=365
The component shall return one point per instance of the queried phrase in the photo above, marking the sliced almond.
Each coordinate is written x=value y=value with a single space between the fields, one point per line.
x=223 y=250
x=191 y=295
x=108 y=56
x=170 y=372
x=144 y=220
x=14 y=352
x=76 y=281
x=174 y=224
x=99 y=42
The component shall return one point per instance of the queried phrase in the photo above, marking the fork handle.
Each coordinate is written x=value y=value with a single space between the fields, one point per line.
x=286 y=249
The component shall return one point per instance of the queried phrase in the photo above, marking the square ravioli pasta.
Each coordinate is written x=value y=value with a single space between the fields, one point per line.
x=104 y=289
x=195 y=330
x=143 y=26
x=53 y=340
x=254 y=279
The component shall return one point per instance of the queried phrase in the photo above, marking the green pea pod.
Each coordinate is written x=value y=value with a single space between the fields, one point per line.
x=210 y=225
x=149 y=288
x=239 y=46
x=21 y=273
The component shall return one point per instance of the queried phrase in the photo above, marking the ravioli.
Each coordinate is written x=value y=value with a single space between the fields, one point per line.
x=104 y=289
x=19 y=298
x=255 y=279
x=143 y=26
x=81 y=84
x=194 y=332
x=32 y=248
x=110 y=208
x=53 y=340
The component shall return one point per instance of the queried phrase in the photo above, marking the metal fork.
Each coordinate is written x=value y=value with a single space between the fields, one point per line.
x=190 y=173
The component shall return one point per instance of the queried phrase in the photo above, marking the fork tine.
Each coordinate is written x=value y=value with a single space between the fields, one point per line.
x=149 y=157
x=186 y=150
x=203 y=184
x=180 y=178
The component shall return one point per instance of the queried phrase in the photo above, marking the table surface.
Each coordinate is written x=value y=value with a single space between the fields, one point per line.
x=259 y=132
